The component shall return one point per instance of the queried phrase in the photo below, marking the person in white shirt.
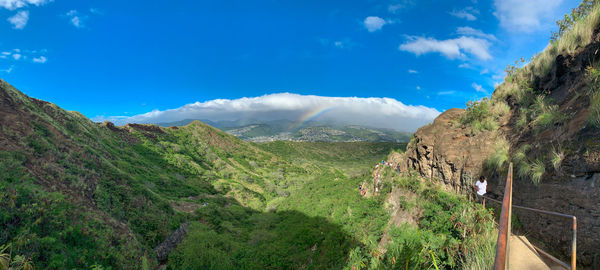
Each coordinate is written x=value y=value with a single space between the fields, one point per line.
x=481 y=188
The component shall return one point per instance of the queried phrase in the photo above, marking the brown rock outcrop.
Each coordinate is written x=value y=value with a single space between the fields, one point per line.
x=447 y=152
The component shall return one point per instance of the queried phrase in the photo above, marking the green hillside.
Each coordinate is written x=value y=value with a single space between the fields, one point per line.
x=79 y=194
x=88 y=193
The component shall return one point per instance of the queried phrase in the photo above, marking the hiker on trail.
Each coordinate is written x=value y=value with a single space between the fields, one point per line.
x=481 y=188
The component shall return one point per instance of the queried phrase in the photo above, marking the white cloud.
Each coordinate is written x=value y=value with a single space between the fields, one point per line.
x=76 y=21
x=464 y=65
x=468 y=13
x=345 y=43
x=400 y=5
x=8 y=70
x=375 y=112
x=445 y=93
x=75 y=18
x=412 y=71
x=41 y=59
x=35 y=56
x=485 y=71
x=19 y=20
x=15 y=4
x=96 y=11
x=525 y=16
x=418 y=87
x=451 y=48
x=374 y=23
x=478 y=88
x=469 y=31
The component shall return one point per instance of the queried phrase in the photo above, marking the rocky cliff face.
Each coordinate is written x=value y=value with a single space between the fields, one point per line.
x=445 y=151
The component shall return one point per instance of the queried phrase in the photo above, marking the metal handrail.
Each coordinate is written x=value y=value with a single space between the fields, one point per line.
x=501 y=261
x=552 y=213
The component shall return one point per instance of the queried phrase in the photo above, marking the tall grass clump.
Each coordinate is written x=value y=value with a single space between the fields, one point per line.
x=537 y=171
x=557 y=157
x=593 y=91
x=594 y=110
x=522 y=120
x=526 y=168
x=545 y=114
x=500 y=108
x=482 y=257
x=500 y=156
x=522 y=163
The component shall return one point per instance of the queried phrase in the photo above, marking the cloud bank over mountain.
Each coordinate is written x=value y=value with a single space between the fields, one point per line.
x=373 y=112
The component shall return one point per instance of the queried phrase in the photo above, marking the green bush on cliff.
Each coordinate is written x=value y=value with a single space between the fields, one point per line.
x=476 y=111
x=480 y=115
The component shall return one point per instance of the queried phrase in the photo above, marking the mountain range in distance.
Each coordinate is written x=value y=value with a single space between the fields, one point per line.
x=312 y=131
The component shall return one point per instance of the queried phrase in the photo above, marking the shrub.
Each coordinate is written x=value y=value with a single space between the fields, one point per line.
x=476 y=111
x=479 y=116
x=577 y=14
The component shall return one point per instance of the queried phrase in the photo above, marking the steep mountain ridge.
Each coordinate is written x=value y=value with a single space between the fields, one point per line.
x=542 y=118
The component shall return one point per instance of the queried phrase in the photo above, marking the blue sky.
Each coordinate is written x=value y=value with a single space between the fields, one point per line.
x=125 y=58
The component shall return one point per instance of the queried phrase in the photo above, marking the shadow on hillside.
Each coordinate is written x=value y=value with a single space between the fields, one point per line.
x=226 y=235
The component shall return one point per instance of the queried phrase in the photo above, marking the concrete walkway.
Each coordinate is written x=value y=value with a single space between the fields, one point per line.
x=522 y=255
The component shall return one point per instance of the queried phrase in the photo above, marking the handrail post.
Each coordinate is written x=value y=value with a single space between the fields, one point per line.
x=509 y=229
x=501 y=262
x=574 y=245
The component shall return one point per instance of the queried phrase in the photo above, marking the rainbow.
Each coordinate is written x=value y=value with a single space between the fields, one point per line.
x=312 y=114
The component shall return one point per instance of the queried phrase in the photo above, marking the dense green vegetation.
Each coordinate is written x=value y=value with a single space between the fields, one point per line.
x=450 y=233
x=450 y=229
